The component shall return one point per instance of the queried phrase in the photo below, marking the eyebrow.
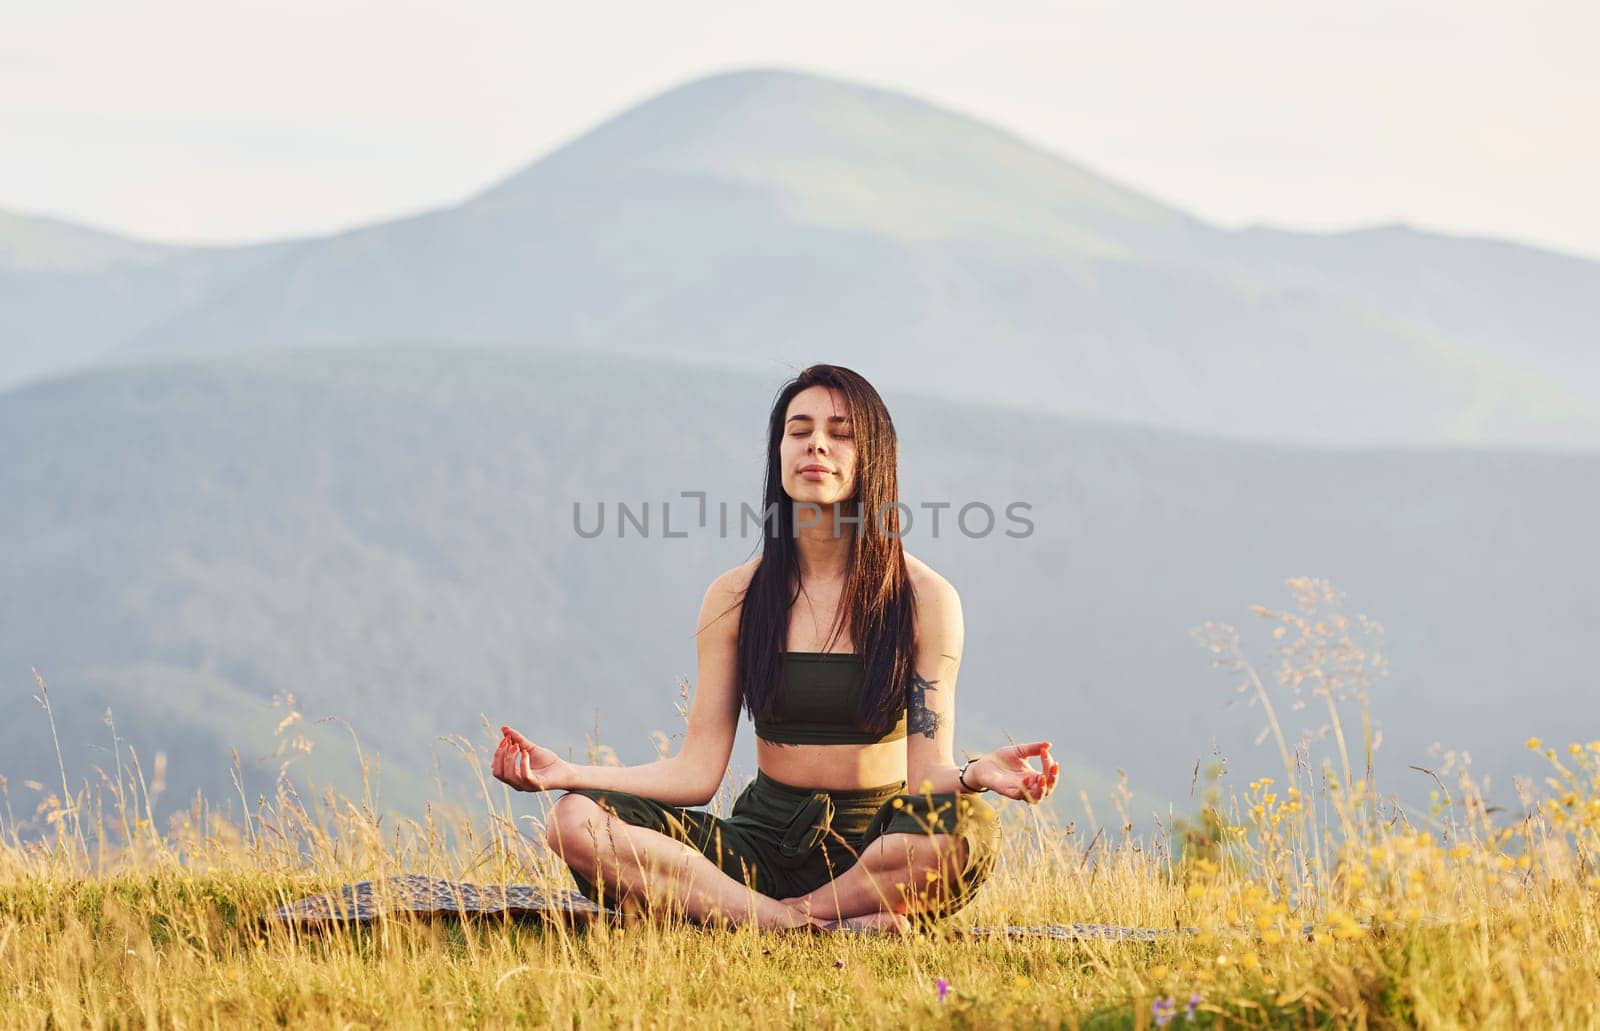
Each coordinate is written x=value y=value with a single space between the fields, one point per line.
x=807 y=418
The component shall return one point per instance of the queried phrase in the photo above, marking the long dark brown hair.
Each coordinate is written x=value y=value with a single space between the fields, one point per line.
x=876 y=603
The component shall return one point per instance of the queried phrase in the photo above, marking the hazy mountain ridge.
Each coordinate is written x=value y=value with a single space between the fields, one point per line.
x=390 y=537
x=857 y=158
x=70 y=296
x=1513 y=302
x=765 y=217
x=36 y=242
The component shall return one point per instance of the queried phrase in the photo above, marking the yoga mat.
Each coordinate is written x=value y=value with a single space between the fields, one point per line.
x=432 y=897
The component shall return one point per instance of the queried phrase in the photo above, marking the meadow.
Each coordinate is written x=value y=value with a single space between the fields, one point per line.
x=1318 y=901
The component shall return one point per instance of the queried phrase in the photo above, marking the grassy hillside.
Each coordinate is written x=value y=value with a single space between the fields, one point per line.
x=1315 y=906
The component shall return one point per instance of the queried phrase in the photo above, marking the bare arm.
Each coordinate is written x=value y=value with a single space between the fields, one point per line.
x=689 y=777
x=930 y=712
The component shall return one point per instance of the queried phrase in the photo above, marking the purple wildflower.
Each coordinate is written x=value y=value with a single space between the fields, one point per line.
x=944 y=988
x=1163 y=1010
x=1194 y=1003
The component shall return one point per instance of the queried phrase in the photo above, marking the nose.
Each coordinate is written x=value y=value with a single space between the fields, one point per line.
x=817 y=443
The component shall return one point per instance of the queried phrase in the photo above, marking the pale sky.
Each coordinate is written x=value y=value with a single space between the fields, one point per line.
x=206 y=121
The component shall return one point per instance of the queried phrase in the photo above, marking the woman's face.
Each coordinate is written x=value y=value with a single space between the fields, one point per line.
x=818 y=454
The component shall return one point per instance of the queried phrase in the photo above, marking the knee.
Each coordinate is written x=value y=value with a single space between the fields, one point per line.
x=573 y=827
x=919 y=854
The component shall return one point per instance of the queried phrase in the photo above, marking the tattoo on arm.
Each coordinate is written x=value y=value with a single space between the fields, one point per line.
x=919 y=718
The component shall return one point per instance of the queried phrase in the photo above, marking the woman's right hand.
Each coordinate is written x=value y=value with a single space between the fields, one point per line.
x=527 y=766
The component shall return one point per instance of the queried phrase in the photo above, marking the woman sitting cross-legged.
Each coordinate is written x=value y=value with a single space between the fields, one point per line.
x=844 y=649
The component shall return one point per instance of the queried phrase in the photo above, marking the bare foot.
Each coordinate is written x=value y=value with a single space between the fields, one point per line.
x=790 y=919
x=883 y=923
x=801 y=918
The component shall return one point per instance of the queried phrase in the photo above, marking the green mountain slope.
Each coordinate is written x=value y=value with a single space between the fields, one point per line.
x=390 y=536
x=758 y=218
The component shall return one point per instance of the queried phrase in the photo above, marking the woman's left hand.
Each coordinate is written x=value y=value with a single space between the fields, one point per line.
x=1006 y=771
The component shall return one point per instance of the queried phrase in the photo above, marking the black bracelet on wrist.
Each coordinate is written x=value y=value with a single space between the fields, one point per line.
x=962 y=777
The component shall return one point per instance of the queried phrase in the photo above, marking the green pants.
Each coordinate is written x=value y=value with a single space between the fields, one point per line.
x=785 y=841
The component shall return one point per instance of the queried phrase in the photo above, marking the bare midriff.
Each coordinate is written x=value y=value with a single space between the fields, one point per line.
x=833 y=767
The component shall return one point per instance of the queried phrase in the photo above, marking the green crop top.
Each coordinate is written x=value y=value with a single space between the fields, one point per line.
x=818 y=694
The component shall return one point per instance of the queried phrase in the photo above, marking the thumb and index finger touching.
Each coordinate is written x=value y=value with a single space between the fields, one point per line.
x=520 y=742
x=1050 y=770
x=1029 y=749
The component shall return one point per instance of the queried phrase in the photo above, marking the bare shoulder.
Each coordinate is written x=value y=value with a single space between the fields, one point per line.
x=737 y=579
x=940 y=628
x=719 y=613
x=938 y=606
x=931 y=589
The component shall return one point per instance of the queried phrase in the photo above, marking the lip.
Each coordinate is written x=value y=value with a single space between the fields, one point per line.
x=821 y=469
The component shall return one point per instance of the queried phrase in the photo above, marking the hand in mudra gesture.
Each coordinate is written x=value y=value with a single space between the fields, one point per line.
x=527 y=766
x=1007 y=771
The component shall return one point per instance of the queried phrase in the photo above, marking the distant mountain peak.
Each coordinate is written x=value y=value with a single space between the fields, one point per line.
x=763 y=216
x=800 y=133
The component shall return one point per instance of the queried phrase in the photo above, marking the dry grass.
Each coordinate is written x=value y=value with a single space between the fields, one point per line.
x=1453 y=920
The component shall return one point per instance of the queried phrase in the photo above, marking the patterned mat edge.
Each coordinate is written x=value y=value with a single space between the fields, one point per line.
x=423 y=897
x=419 y=895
